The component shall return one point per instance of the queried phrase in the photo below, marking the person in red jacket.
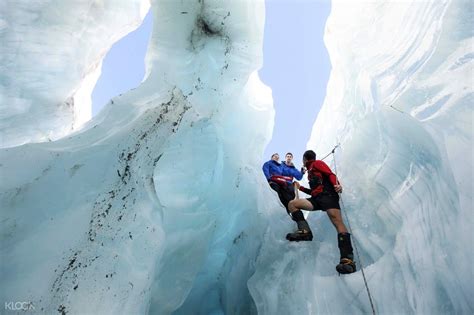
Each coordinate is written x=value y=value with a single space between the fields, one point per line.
x=324 y=189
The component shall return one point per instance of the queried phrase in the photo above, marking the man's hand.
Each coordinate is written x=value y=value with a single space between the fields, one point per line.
x=338 y=188
x=297 y=185
x=303 y=170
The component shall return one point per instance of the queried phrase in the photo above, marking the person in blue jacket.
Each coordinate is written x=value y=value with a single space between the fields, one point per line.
x=280 y=177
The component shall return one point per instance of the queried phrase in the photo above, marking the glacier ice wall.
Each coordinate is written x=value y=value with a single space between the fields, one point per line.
x=151 y=206
x=51 y=56
x=399 y=102
x=157 y=205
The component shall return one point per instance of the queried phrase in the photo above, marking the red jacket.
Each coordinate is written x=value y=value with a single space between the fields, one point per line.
x=320 y=177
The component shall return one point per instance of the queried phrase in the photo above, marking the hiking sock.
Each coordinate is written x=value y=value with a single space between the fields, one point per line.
x=298 y=216
x=303 y=225
x=345 y=245
x=300 y=221
x=304 y=232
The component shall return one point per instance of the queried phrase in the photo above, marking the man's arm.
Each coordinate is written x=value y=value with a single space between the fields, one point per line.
x=266 y=170
x=324 y=169
x=292 y=171
x=303 y=189
x=297 y=174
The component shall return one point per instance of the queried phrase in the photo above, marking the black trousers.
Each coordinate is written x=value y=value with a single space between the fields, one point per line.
x=286 y=193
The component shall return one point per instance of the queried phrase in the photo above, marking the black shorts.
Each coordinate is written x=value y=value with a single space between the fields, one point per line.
x=325 y=201
x=286 y=193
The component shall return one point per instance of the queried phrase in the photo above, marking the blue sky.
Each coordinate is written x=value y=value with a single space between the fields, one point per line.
x=123 y=67
x=296 y=67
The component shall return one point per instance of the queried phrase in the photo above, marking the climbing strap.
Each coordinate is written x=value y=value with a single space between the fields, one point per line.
x=350 y=231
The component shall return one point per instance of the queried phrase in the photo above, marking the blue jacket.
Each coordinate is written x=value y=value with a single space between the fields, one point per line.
x=291 y=171
x=271 y=168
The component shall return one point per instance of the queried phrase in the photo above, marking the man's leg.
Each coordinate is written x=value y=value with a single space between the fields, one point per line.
x=288 y=194
x=304 y=232
x=346 y=264
x=297 y=204
x=336 y=219
x=282 y=195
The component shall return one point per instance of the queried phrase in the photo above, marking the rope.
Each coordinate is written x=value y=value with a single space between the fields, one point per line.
x=350 y=230
x=297 y=195
x=396 y=109
x=332 y=152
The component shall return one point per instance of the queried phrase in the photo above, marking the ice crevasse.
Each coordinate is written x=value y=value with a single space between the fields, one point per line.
x=157 y=205
x=399 y=104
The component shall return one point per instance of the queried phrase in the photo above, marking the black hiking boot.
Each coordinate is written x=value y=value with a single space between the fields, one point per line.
x=346 y=266
x=302 y=234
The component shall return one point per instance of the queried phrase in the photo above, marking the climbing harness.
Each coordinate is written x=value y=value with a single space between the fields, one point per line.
x=350 y=231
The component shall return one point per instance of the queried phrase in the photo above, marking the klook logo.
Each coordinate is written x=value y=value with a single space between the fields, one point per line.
x=19 y=306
